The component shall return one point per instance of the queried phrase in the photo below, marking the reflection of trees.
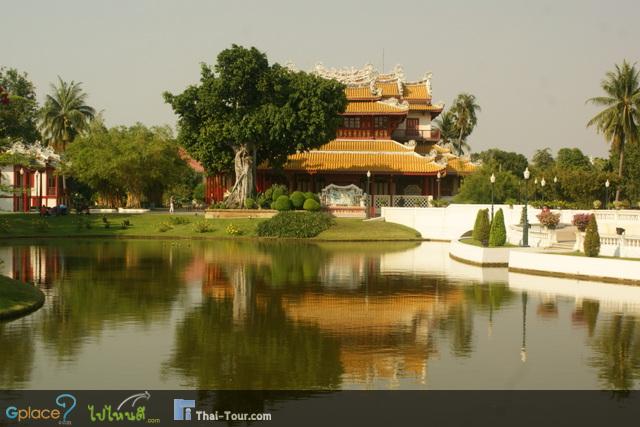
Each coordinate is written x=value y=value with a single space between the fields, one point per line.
x=111 y=282
x=459 y=322
x=15 y=340
x=617 y=349
x=267 y=351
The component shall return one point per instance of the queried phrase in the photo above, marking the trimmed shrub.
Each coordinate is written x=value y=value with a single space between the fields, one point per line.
x=249 y=203
x=164 y=227
x=282 y=203
x=597 y=204
x=297 y=199
x=482 y=226
x=498 y=233
x=295 y=224
x=202 y=227
x=310 y=195
x=592 y=238
x=311 y=205
x=278 y=191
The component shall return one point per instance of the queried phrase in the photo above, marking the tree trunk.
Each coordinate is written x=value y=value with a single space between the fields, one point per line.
x=620 y=166
x=245 y=178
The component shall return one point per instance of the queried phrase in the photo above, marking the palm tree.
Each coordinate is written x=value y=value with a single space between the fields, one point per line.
x=65 y=114
x=446 y=125
x=618 y=122
x=464 y=109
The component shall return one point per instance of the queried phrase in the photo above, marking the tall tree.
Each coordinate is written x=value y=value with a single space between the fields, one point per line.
x=447 y=127
x=464 y=109
x=65 y=114
x=18 y=109
x=619 y=120
x=543 y=159
x=245 y=111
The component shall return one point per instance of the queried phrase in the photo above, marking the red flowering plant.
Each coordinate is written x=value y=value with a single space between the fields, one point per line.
x=548 y=218
x=581 y=221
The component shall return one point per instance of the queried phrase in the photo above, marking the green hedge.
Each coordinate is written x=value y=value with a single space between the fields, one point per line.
x=482 y=226
x=498 y=233
x=282 y=203
x=295 y=224
x=297 y=199
x=592 y=238
x=311 y=205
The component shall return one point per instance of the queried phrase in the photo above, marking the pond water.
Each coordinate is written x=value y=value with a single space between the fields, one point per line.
x=140 y=314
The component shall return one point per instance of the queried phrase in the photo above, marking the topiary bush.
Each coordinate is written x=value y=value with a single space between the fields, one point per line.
x=498 y=233
x=310 y=195
x=592 y=238
x=278 y=191
x=297 y=199
x=311 y=205
x=249 y=203
x=282 y=203
x=482 y=226
x=295 y=224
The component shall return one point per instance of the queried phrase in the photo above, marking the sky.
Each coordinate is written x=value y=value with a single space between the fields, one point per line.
x=531 y=64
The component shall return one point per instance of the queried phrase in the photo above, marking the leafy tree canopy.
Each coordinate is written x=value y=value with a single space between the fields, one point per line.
x=573 y=158
x=18 y=117
x=136 y=163
x=245 y=111
x=502 y=161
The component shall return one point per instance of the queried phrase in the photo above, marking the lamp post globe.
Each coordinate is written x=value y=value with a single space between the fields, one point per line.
x=542 y=184
x=438 y=176
x=606 y=196
x=525 y=225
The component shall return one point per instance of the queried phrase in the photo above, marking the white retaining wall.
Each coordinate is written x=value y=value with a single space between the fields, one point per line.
x=479 y=255
x=451 y=222
x=575 y=265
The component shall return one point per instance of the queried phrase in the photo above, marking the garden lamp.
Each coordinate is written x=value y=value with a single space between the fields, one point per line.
x=606 y=196
x=438 y=176
x=525 y=225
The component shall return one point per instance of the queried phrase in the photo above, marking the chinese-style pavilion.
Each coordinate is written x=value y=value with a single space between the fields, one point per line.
x=386 y=131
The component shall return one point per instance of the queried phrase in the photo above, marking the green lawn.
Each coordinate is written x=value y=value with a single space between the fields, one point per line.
x=180 y=226
x=474 y=242
x=17 y=298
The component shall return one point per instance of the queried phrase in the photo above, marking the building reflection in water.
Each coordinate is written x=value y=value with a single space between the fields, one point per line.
x=310 y=316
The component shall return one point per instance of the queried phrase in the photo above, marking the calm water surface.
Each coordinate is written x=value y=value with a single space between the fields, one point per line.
x=247 y=315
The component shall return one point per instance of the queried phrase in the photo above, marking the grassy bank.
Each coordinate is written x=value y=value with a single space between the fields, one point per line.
x=156 y=225
x=17 y=298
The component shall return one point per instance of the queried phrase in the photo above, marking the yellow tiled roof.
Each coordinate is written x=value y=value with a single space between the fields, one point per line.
x=360 y=92
x=388 y=88
x=426 y=148
x=373 y=107
x=416 y=91
x=349 y=161
x=386 y=145
x=425 y=107
x=460 y=167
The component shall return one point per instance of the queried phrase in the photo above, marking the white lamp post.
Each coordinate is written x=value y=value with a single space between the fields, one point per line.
x=542 y=184
x=606 y=197
x=525 y=226
x=368 y=193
